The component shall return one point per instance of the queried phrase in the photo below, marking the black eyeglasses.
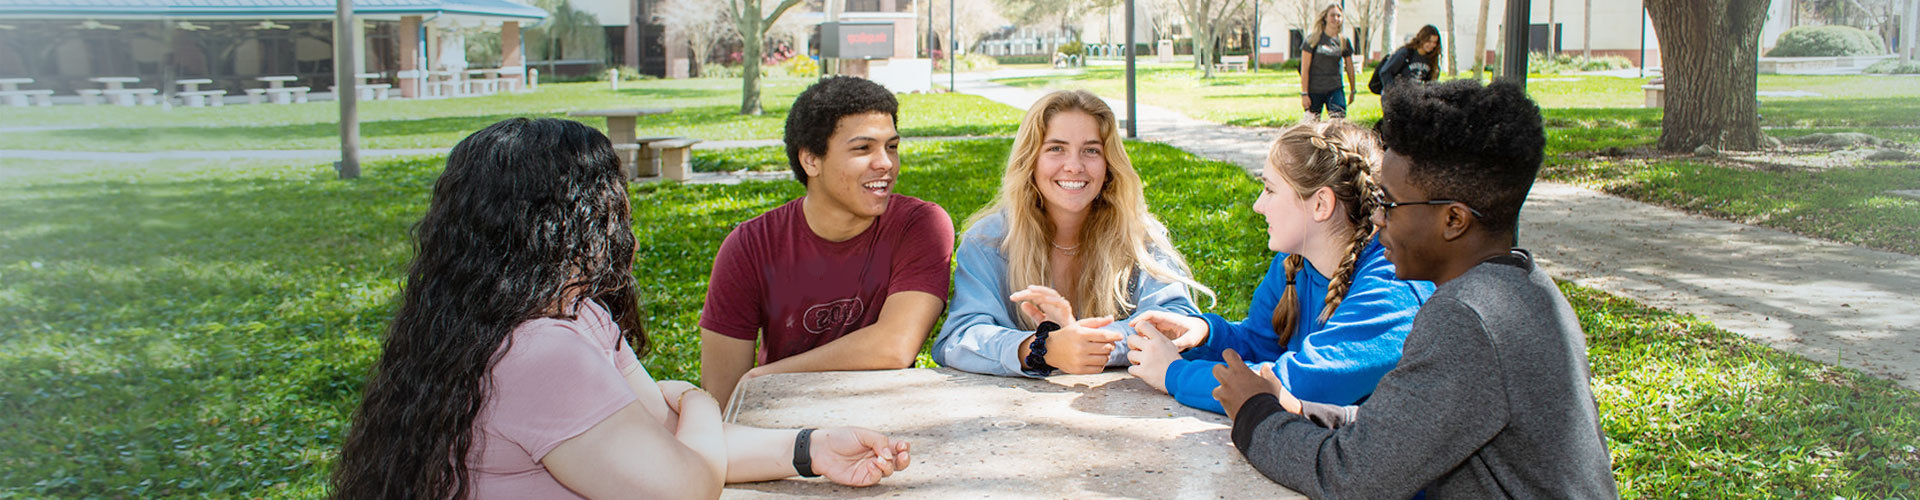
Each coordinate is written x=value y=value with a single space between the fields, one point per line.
x=1380 y=201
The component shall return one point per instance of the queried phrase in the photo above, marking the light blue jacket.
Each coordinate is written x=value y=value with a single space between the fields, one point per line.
x=980 y=334
x=1337 y=361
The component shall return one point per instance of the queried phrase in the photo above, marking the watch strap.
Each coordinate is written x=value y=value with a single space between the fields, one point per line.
x=803 y=453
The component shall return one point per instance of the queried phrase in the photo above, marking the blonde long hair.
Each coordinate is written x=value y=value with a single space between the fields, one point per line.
x=1332 y=154
x=1118 y=236
x=1320 y=24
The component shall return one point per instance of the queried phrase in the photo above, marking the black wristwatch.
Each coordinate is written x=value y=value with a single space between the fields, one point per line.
x=803 y=453
x=1037 y=350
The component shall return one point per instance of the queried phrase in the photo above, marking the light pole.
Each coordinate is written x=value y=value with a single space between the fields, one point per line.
x=1133 y=117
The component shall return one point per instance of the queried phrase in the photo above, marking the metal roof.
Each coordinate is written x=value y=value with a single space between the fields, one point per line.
x=260 y=9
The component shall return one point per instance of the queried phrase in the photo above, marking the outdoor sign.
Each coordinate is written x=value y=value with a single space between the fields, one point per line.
x=856 y=40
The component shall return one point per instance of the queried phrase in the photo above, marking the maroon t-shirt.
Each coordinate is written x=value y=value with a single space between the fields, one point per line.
x=776 y=280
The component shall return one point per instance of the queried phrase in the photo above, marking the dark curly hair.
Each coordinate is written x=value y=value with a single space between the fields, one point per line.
x=1479 y=145
x=527 y=213
x=817 y=112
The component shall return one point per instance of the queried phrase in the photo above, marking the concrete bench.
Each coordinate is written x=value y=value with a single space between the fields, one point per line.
x=201 y=98
x=279 y=95
x=131 y=97
x=676 y=157
x=483 y=86
x=1231 y=63
x=368 y=91
x=1656 y=95
x=23 y=98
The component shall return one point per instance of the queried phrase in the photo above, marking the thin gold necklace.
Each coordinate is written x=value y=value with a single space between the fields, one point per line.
x=1070 y=251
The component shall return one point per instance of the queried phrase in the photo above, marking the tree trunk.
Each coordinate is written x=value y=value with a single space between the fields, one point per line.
x=1553 y=28
x=1711 y=53
x=750 y=71
x=1586 y=34
x=1392 y=18
x=1453 y=45
x=1480 y=41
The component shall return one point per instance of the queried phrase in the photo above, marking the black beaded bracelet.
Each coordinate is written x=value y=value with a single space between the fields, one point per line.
x=803 y=453
x=1037 y=351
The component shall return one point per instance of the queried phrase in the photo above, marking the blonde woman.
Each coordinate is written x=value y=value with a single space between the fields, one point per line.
x=1321 y=61
x=1069 y=244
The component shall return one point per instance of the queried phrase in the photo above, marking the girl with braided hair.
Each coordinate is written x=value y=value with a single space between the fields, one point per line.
x=1329 y=318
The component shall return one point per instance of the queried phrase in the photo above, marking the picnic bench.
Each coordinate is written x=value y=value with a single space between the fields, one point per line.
x=1231 y=63
x=15 y=96
x=277 y=91
x=512 y=77
x=1656 y=93
x=114 y=90
x=487 y=83
x=1105 y=435
x=620 y=130
x=676 y=157
x=191 y=95
x=366 y=91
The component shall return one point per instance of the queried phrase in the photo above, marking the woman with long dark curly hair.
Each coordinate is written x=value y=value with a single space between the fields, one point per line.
x=505 y=373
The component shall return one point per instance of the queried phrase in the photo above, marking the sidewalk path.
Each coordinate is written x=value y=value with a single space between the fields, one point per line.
x=1829 y=302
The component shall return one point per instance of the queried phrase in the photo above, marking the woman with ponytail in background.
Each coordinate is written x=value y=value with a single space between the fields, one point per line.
x=1329 y=318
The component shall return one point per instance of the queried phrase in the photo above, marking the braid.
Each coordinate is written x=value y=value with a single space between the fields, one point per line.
x=1286 y=313
x=1339 y=156
x=1360 y=189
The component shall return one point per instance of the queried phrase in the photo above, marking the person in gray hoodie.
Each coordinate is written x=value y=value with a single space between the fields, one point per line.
x=1490 y=397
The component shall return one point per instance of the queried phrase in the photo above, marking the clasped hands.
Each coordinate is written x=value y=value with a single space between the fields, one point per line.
x=1079 y=346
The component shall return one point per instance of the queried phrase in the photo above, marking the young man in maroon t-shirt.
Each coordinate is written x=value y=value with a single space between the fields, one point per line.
x=850 y=276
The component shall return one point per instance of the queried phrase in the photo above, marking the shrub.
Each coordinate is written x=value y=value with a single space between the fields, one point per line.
x=1826 y=41
x=1892 y=67
x=1540 y=62
x=801 y=66
x=1073 y=48
x=972 y=62
x=1024 y=59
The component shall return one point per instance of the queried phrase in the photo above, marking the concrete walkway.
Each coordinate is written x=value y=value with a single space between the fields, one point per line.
x=1829 y=302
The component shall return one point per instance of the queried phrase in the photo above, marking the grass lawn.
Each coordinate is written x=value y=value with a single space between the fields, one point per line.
x=182 y=329
x=704 y=108
x=1271 y=98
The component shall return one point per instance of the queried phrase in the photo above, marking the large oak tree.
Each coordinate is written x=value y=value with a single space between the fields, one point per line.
x=1709 y=52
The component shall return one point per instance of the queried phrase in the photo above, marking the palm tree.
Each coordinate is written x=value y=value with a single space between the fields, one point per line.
x=567 y=26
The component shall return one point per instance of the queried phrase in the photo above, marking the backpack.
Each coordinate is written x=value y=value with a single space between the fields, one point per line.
x=1373 y=83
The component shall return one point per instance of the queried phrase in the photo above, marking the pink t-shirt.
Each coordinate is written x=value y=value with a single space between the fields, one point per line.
x=557 y=379
x=774 y=279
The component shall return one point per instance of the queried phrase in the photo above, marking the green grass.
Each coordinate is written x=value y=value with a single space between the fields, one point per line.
x=703 y=108
x=1271 y=98
x=1844 y=205
x=178 y=329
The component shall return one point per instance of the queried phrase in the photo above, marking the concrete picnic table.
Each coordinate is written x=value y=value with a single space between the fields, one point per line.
x=274 y=82
x=12 y=84
x=10 y=93
x=117 y=92
x=1106 y=435
x=192 y=84
x=620 y=127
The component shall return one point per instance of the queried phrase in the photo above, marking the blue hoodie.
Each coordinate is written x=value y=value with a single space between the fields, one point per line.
x=1337 y=361
x=980 y=334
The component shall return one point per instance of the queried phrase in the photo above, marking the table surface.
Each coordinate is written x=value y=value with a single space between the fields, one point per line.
x=1106 y=435
x=114 y=79
x=16 y=81
x=196 y=81
x=277 y=78
x=622 y=112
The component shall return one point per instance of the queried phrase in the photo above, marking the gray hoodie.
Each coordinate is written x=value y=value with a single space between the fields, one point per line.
x=1490 y=400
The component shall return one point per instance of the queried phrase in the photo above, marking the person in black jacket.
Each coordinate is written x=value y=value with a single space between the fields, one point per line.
x=1418 y=60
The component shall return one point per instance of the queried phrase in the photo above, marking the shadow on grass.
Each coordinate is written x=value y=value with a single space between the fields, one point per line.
x=1689 y=407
